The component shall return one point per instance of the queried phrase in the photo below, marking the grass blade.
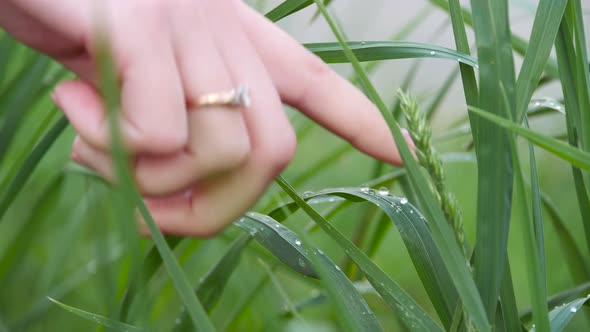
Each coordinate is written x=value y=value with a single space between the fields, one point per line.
x=211 y=285
x=562 y=315
x=283 y=243
x=151 y=263
x=387 y=50
x=442 y=232
x=354 y=312
x=545 y=27
x=26 y=170
x=200 y=320
x=104 y=321
x=287 y=8
x=495 y=169
x=410 y=312
x=562 y=150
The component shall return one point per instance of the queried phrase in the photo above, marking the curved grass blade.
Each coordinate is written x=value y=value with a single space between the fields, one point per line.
x=442 y=232
x=555 y=300
x=412 y=315
x=353 y=310
x=418 y=240
x=562 y=315
x=387 y=50
x=104 y=321
x=287 y=8
x=30 y=164
x=562 y=150
x=283 y=243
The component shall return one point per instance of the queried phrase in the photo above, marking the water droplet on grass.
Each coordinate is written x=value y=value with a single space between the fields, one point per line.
x=573 y=309
x=403 y=200
x=383 y=191
x=307 y=194
x=301 y=262
x=432 y=53
x=297 y=242
x=365 y=189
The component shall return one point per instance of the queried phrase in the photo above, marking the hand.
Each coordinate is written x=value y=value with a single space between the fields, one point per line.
x=199 y=168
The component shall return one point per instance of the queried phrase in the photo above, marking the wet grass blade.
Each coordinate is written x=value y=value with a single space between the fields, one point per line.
x=104 y=321
x=418 y=240
x=545 y=27
x=353 y=312
x=562 y=150
x=387 y=50
x=413 y=316
x=283 y=243
x=558 y=299
x=562 y=315
x=442 y=232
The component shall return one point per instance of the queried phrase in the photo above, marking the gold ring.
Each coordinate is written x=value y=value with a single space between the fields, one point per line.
x=239 y=96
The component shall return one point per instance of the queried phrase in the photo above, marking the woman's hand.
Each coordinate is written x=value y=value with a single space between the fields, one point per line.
x=198 y=167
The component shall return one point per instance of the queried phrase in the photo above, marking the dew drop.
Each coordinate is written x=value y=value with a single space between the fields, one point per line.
x=403 y=201
x=277 y=225
x=307 y=194
x=363 y=43
x=253 y=232
x=383 y=191
x=365 y=189
x=91 y=267
x=432 y=53
x=301 y=262
x=337 y=267
x=573 y=309
x=297 y=242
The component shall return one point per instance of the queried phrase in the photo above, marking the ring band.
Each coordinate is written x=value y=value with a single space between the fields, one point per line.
x=239 y=96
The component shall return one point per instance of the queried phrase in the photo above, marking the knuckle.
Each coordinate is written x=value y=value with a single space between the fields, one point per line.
x=279 y=153
x=231 y=154
x=160 y=141
x=314 y=70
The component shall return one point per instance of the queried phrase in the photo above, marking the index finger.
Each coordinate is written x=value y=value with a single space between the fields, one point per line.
x=308 y=84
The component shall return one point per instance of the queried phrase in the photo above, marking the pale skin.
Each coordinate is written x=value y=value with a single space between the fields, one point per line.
x=199 y=168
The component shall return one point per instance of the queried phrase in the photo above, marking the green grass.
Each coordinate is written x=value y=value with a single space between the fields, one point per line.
x=340 y=241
